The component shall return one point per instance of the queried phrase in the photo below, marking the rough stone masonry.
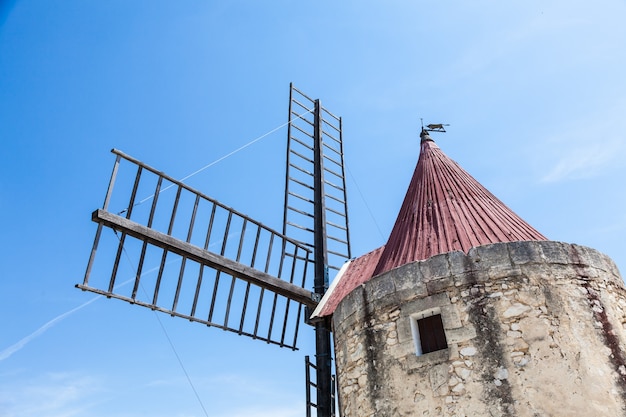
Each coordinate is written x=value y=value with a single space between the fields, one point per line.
x=533 y=329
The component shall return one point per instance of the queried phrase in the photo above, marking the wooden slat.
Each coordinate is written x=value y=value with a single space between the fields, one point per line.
x=205 y=257
x=178 y=314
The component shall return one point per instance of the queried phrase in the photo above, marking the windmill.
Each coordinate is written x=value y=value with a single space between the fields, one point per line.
x=221 y=268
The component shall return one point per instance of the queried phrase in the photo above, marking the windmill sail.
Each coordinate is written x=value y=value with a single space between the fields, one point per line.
x=316 y=214
x=173 y=249
x=308 y=123
x=181 y=252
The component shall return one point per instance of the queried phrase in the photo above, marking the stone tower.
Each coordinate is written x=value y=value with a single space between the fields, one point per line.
x=469 y=311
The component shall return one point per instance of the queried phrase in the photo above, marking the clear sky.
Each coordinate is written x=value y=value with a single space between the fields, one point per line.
x=534 y=93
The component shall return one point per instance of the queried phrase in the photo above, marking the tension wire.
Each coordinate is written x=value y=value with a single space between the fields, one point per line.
x=263 y=136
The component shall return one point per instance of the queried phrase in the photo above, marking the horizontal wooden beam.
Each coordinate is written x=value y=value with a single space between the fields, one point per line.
x=178 y=314
x=213 y=260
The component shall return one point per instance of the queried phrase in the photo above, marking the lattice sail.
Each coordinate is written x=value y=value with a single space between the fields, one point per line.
x=181 y=252
x=310 y=122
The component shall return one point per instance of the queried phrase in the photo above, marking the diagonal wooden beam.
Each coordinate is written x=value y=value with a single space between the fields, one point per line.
x=220 y=263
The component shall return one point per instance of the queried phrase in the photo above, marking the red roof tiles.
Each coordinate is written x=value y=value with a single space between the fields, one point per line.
x=353 y=274
x=444 y=210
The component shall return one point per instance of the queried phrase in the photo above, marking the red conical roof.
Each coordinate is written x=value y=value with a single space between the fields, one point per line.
x=446 y=209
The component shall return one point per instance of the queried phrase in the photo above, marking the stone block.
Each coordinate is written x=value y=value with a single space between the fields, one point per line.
x=460 y=334
x=474 y=259
x=612 y=268
x=453 y=350
x=537 y=271
x=532 y=296
x=582 y=255
x=435 y=267
x=440 y=284
x=450 y=317
x=404 y=330
x=460 y=263
x=462 y=372
x=406 y=277
x=587 y=271
x=497 y=272
x=404 y=296
x=423 y=304
x=494 y=254
x=349 y=305
x=561 y=272
x=379 y=287
x=470 y=278
x=408 y=283
x=534 y=329
x=459 y=389
x=516 y=310
x=468 y=351
x=428 y=361
x=405 y=348
x=525 y=252
x=346 y=324
x=340 y=313
x=554 y=252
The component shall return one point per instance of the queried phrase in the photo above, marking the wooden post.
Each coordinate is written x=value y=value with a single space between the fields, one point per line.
x=322 y=331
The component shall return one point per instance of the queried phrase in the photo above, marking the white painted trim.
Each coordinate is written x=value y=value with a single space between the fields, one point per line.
x=330 y=290
x=415 y=328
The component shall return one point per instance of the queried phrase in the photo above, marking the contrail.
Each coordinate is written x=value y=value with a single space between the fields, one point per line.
x=4 y=354
x=19 y=345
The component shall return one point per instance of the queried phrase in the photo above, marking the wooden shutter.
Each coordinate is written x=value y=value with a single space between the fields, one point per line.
x=432 y=335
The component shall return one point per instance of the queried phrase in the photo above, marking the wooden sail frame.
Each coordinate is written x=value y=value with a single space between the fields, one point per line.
x=267 y=277
x=316 y=214
x=275 y=265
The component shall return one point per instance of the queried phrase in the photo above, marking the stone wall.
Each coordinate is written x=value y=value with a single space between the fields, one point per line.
x=533 y=329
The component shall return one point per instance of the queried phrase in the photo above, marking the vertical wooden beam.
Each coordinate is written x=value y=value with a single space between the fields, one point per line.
x=307 y=373
x=322 y=331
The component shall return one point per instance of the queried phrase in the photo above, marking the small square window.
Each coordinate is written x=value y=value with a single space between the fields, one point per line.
x=428 y=333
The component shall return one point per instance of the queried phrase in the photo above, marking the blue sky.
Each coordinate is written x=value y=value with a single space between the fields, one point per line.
x=534 y=94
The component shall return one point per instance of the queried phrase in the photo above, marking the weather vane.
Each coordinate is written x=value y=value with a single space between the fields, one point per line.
x=434 y=127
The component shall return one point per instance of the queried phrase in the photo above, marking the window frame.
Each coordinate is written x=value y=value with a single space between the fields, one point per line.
x=418 y=338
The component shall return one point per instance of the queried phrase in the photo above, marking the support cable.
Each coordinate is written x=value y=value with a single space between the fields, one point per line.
x=169 y=339
x=369 y=210
x=263 y=136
